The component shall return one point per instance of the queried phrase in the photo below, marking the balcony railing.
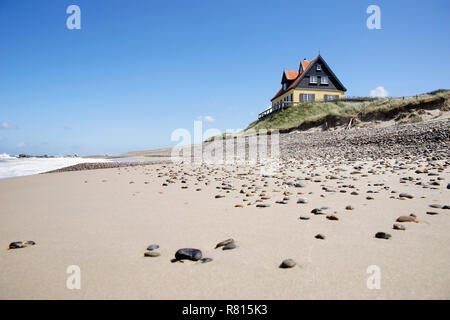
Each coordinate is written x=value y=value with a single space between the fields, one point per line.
x=281 y=106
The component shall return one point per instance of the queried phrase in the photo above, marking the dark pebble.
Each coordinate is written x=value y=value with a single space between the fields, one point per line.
x=224 y=243
x=205 y=260
x=152 y=247
x=188 y=254
x=382 y=235
x=288 y=263
x=229 y=246
x=152 y=254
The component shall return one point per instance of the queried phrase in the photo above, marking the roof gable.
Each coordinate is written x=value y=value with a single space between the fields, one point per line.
x=325 y=68
x=305 y=67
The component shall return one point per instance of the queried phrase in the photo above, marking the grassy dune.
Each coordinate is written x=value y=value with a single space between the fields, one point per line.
x=315 y=113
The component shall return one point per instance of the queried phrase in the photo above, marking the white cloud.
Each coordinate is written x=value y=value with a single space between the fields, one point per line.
x=7 y=125
x=379 y=92
x=209 y=119
x=205 y=118
x=20 y=145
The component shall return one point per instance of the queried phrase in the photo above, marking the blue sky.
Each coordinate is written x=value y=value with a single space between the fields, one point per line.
x=137 y=70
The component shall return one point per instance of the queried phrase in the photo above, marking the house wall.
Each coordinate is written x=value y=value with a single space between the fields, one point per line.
x=319 y=94
x=280 y=98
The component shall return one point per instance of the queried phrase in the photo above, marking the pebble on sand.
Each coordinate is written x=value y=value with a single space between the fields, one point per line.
x=152 y=254
x=152 y=247
x=288 y=263
x=320 y=236
x=382 y=235
x=21 y=244
x=224 y=243
x=398 y=226
x=229 y=246
x=188 y=254
x=407 y=219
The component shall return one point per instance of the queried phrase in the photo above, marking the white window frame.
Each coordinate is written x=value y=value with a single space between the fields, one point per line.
x=331 y=97
x=319 y=67
x=313 y=79
x=308 y=96
x=324 y=80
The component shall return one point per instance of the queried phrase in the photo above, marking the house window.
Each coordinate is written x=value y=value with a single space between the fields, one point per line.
x=313 y=79
x=324 y=80
x=319 y=67
x=331 y=97
x=284 y=86
x=307 y=97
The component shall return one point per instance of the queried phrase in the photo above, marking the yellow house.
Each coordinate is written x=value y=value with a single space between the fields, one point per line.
x=313 y=81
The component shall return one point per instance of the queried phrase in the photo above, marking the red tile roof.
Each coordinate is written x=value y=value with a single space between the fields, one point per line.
x=290 y=76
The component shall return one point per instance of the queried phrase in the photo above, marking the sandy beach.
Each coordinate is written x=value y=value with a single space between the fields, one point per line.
x=103 y=220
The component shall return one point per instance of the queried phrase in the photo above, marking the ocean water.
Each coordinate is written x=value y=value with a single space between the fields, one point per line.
x=14 y=167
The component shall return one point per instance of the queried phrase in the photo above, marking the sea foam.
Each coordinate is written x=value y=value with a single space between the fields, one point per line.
x=15 y=167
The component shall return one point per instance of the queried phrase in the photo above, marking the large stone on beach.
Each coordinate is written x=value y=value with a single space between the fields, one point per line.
x=188 y=254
